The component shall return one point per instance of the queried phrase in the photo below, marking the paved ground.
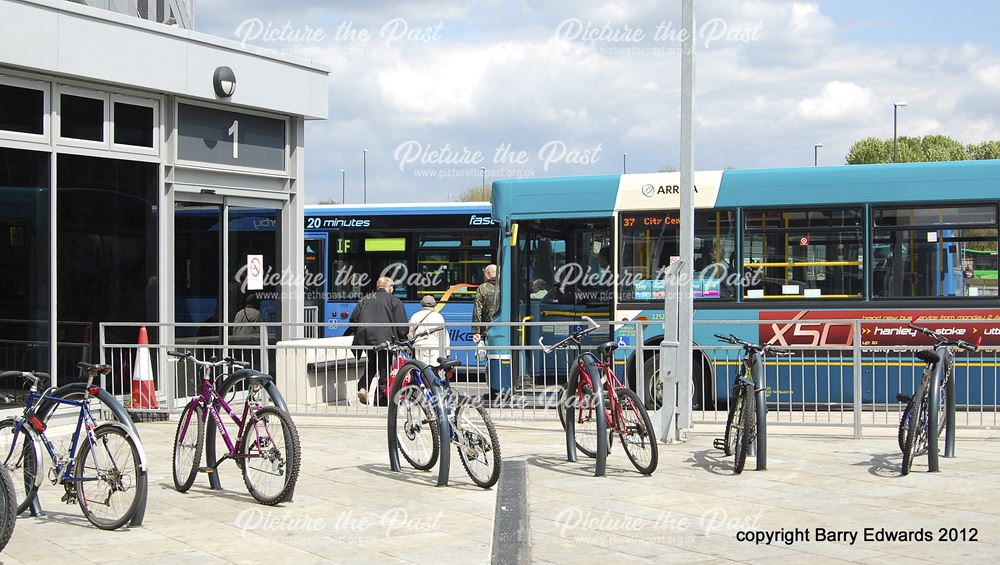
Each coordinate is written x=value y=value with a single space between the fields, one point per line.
x=350 y=509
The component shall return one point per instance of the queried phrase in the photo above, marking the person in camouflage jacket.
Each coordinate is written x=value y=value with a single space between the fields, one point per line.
x=486 y=301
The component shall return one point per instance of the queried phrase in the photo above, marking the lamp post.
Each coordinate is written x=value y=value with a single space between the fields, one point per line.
x=364 y=173
x=483 y=169
x=624 y=159
x=895 y=111
x=343 y=186
x=816 y=154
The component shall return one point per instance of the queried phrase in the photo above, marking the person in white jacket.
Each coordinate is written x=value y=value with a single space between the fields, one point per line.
x=429 y=347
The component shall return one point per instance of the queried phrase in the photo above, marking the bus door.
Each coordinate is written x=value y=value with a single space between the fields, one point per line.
x=563 y=273
x=316 y=287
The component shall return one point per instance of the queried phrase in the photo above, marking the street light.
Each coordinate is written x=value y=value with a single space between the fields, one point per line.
x=816 y=153
x=343 y=186
x=364 y=172
x=483 y=169
x=624 y=158
x=895 y=110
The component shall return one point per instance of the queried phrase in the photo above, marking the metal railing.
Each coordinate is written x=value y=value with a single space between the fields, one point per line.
x=851 y=385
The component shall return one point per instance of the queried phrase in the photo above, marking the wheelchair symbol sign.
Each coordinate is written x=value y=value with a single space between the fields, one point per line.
x=622 y=342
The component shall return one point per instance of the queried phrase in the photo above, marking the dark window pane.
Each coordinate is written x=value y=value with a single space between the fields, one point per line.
x=24 y=261
x=930 y=216
x=802 y=219
x=81 y=118
x=22 y=109
x=934 y=263
x=133 y=125
x=107 y=251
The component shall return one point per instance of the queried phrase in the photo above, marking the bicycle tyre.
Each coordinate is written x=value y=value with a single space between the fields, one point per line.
x=914 y=427
x=100 y=434
x=8 y=507
x=745 y=432
x=585 y=427
x=185 y=473
x=26 y=465
x=494 y=443
x=904 y=420
x=732 y=421
x=293 y=453
x=626 y=398
x=429 y=420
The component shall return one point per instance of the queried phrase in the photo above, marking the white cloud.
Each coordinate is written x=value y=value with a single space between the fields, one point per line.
x=844 y=101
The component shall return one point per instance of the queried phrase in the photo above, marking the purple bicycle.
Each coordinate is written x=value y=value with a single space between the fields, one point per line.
x=267 y=444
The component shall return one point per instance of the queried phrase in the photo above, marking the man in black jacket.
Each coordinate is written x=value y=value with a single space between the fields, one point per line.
x=379 y=307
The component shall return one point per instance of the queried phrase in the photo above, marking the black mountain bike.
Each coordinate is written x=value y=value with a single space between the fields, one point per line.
x=915 y=422
x=741 y=422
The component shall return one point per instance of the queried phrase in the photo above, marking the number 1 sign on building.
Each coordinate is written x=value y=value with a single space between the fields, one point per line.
x=255 y=272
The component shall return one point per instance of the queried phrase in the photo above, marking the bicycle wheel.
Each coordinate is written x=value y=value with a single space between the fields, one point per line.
x=272 y=455
x=109 y=473
x=585 y=419
x=416 y=428
x=916 y=428
x=188 y=444
x=477 y=443
x=745 y=431
x=23 y=461
x=904 y=421
x=732 y=420
x=638 y=436
x=8 y=507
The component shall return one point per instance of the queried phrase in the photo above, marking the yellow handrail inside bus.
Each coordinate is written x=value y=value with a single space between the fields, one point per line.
x=806 y=264
x=523 y=320
x=452 y=290
x=574 y=314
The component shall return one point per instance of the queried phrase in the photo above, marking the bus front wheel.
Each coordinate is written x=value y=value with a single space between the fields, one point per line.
x=653 y=386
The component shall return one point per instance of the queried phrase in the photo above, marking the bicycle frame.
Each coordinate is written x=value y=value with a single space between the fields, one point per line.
x=615 y=415
x=85 y=421
x=208 y=399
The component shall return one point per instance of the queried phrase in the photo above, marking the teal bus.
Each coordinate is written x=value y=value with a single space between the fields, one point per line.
x=774 y=249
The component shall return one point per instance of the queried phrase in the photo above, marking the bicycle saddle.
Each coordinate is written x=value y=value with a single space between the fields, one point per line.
x=605 y=349
x=94 y=369
x=448 y=364
x=253 y=378
x=928 y=356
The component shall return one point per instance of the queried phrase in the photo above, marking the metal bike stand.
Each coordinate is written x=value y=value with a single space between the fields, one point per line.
x=761 y=393
x=444 y=425
x=210 y=458
x=949 y=417
x=933 y=464
x=602 y=420
x=109 y=400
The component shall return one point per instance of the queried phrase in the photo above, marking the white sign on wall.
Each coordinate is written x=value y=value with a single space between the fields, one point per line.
x=255 y=272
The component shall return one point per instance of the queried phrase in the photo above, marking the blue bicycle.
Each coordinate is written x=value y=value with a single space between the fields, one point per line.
x=414 y=389
x=103 y=469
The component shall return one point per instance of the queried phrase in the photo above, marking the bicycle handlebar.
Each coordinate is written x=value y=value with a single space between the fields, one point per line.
x=764 y=349
x=209 y=364
x=406 y=343
x=34 y=376
x=940 y=340
x=574 y=337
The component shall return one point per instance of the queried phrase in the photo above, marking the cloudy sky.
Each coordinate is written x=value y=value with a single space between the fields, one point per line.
x=437 y=89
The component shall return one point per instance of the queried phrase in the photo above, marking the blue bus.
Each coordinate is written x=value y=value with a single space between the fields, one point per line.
x=437 y=249
x=880 y=243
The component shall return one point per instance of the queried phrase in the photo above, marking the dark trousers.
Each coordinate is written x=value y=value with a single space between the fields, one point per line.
x=379 y=362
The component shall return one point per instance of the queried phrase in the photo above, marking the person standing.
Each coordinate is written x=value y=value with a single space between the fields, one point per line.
x=379 y=307
x=429 y=347
x=486 y=301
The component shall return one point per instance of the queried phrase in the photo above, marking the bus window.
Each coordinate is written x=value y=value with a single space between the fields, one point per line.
x=452 y=261
x=651 y=241
x=315 y=258
x=803 y=254
x=934 y=252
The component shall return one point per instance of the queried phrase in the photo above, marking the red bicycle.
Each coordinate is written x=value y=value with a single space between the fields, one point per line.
x=625 y=412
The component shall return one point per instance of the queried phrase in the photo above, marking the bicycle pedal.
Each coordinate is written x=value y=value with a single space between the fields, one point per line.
x=719 y=443
x=206 y=470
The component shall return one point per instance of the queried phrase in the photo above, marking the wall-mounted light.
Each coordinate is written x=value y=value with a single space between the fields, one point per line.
x=224 y=82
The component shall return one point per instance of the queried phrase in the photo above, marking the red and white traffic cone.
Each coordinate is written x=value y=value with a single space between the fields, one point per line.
x=143 y=387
